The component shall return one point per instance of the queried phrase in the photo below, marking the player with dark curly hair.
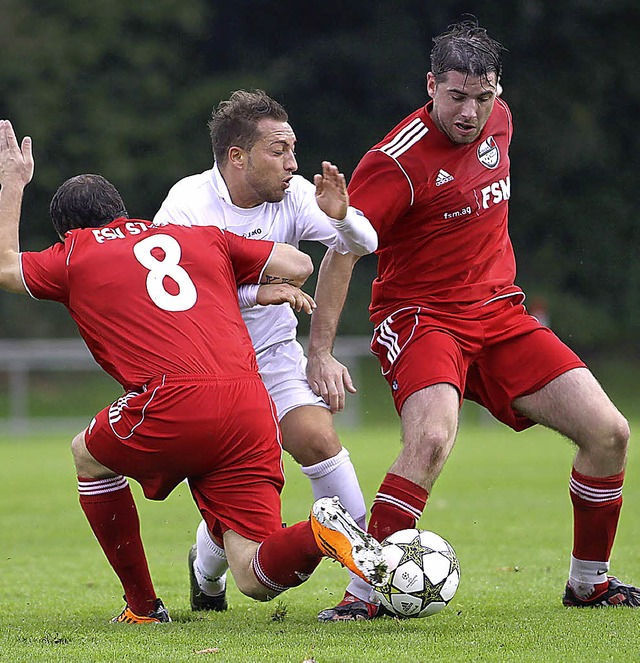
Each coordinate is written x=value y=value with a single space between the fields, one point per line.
x=450 y=322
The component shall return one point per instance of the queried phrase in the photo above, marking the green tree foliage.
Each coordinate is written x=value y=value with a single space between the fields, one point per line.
x=126 y=89
x=112 y=87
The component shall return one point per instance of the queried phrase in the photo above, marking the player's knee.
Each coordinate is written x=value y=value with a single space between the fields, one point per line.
x=78 y=450
x=613 y=437
x=314 y=447
x=251 y=587
x=86 y=465
x=432 y=441
x=618 y=438
x=430 y=448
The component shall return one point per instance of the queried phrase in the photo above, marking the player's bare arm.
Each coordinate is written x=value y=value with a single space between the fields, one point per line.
x=331 y=191
x=284 y=293
x=16 y=171
x=287 y=265
x=326 y=375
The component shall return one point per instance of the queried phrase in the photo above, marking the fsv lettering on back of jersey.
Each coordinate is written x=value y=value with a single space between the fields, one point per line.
x=496 y=192
x=131 y=228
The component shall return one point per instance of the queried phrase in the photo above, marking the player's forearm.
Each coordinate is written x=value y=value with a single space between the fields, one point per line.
x=334 y=277
x=10 y=206
x=358 y=235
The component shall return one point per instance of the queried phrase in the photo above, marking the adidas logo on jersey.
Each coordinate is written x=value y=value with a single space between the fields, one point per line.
x=443 y=177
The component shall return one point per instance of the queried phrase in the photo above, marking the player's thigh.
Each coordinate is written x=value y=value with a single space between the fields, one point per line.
x=283 y=370
x=417 y=351
x=519 y=357
x=308 y=434
x=431 y=413
x=130 y=438
x=242 y=491
x=245 y=499
x=575 y=405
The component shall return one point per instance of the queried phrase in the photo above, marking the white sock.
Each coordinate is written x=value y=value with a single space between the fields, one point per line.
x=585 y=574
x=210 y=565
x=337 y=476
x=360 y=589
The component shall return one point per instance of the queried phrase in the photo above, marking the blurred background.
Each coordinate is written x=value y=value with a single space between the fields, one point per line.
x=125 y=89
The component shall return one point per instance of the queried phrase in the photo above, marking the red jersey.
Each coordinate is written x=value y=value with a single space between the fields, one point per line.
x=153 y=300
x=440 y=210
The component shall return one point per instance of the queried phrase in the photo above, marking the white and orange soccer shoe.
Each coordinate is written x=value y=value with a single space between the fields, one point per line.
x=339 y=537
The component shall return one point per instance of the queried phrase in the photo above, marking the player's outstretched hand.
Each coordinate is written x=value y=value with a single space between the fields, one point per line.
x=331 y=191
x=330 y=380
x=284 y=293
x=16 y=161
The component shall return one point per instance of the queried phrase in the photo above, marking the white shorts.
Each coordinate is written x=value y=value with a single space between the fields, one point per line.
x=283 y=370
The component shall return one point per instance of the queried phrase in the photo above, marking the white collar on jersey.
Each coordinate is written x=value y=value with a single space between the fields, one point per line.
x=220 y=185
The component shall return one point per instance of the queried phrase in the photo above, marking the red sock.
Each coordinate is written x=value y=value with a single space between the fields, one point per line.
x=596 y=509
x=287 y=558
x=111 y=512
x=397 y=505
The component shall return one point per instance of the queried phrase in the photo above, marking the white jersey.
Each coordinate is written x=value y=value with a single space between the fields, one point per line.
x=204 y=200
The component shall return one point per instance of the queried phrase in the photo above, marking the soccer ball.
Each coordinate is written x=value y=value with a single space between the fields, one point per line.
x=425 y=573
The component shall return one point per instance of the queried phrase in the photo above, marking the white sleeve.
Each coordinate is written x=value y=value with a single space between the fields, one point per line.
x=355 y=231
x=353 y=234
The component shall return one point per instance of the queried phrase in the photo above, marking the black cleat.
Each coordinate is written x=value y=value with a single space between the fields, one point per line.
x=351 y=609
x=200 y=600
x=616 y=594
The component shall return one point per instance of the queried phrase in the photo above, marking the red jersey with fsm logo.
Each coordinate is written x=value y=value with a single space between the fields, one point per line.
x=440 y=210
x=153 y=300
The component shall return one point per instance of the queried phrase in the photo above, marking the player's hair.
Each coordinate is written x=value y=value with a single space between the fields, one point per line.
x=234 y=123
x=85 y=201
x=468 y=49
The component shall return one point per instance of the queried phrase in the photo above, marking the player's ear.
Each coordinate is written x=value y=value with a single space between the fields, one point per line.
x=237 y=157
x=430 y=84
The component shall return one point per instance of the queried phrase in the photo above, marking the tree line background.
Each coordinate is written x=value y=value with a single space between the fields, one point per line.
x=125 y=89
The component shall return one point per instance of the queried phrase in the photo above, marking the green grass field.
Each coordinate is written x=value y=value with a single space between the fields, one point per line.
x=502 y=502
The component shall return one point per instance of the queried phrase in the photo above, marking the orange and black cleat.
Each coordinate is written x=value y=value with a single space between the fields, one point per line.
x=158 y=615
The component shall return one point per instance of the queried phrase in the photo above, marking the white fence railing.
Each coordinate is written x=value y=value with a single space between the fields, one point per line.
x=19 y=359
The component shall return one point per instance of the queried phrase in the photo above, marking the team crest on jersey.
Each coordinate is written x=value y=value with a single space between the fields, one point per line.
x=488 y=153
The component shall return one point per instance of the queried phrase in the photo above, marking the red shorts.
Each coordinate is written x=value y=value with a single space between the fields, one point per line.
x=492 y=355
x=221 y=435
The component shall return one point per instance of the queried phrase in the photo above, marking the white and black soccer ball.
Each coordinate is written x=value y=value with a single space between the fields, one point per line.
x=425 y=573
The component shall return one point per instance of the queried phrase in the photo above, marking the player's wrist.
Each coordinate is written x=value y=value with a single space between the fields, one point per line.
x=341 y=220
x=248 y=295
x=319 y=352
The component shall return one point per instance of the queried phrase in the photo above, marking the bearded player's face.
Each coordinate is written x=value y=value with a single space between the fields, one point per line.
x=461 y=104
x=272 y=161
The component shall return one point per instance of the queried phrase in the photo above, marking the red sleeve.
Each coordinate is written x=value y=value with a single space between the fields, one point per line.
x=248 y=257
x=45 y=273
x=380 y=189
